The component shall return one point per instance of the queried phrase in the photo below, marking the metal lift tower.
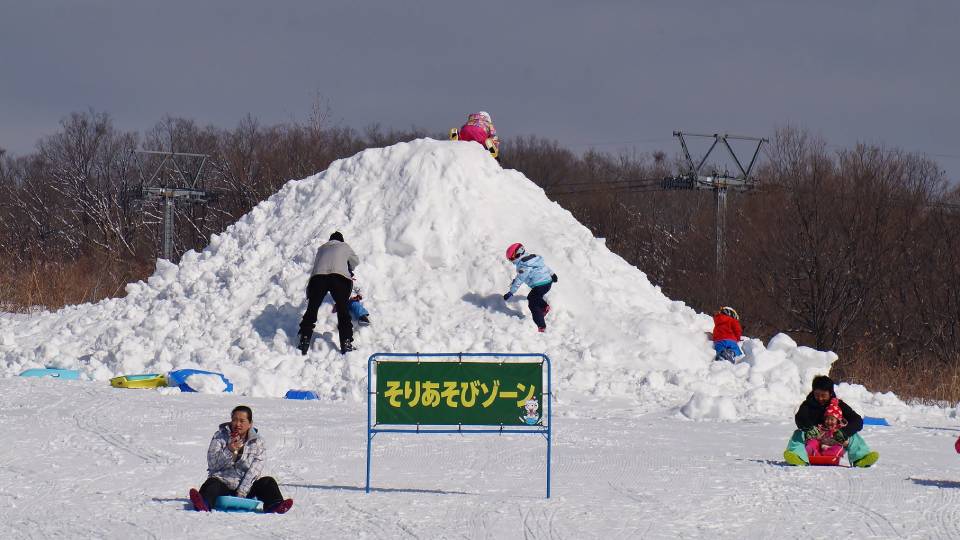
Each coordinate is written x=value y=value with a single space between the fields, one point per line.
x=693 y=178
x=170 y=185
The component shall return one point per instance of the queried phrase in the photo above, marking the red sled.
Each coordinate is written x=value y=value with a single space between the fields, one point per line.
x=824 y=460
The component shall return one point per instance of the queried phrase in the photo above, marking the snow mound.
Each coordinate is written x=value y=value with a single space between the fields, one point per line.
x=430 y=221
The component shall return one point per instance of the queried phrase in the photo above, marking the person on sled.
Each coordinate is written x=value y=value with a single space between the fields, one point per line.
x=537 y=275
x=235 y=460
x=726 y=334
x=479 y=128
x=828 y=443
x=811 y=414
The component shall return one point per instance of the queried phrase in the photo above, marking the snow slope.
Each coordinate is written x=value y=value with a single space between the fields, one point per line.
x=430 y=221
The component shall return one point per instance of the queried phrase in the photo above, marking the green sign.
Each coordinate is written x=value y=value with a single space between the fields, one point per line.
x=459 y=393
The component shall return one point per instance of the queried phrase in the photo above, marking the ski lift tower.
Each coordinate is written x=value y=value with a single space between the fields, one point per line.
x=170 y=185
x=694 y=178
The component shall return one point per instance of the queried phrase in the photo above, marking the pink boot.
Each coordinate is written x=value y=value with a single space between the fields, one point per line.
x=198 y=503
x=281 y=507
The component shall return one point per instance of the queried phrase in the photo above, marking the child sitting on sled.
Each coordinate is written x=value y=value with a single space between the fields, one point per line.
x=822 y=440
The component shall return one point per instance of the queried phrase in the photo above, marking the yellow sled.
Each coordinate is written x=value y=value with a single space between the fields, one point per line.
x=150 y=380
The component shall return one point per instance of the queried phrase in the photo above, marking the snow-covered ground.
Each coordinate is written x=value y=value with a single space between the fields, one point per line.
x=652 y=438
x=83 y=460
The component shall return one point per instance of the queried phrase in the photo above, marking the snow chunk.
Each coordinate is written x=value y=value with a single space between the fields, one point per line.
x=206 y=384
x=704 y=407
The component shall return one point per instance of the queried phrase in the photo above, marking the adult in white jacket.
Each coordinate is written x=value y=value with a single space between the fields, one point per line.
x=332 y=273
x=235 y=466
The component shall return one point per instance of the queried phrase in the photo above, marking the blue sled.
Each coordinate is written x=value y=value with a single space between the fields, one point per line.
x=874 y=421
x=178 y=378
x=301 y=394
x=70 y=374
x=226 y=503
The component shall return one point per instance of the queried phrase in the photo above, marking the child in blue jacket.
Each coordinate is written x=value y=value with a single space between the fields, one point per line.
x=532 y=271
x=355 y=305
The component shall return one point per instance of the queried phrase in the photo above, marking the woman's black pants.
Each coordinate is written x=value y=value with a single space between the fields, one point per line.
x=264 y=488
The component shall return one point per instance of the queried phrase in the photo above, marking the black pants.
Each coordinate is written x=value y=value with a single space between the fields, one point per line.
x=339 y=287
x=264 y=488
x=538 y=304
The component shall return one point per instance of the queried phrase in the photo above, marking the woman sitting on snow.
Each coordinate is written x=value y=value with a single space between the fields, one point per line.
x=234 y=465
x=812 y=411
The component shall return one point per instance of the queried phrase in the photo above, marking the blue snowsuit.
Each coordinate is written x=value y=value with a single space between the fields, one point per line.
x=532 y=271
x=357 y=309
x=724 y=345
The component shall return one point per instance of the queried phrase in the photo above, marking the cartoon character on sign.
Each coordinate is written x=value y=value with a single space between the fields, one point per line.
x=532 y=417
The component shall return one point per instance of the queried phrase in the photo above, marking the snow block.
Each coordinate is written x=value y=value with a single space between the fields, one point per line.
x=874 y=421
x=301 y=394
x=197 y=377
x=53 y=373
x=147 y=380
x=226 y=503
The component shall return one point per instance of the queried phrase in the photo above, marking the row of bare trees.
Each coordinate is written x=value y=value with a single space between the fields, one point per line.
x=854 y=250
x=75 y=203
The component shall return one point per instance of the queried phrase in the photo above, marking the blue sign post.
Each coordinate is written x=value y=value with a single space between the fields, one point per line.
x=432 y=396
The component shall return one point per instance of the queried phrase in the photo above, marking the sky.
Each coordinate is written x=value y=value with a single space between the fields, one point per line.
x=611 y=75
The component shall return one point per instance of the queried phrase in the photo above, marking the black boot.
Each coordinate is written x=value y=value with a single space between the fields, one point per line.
x=364 y=320
x=304 y=344
x=347 y=346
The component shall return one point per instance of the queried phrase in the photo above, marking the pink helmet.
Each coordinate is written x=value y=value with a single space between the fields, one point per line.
x=515 y=250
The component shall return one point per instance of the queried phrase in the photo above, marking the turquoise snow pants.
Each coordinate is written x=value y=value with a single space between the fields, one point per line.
x=855 y=450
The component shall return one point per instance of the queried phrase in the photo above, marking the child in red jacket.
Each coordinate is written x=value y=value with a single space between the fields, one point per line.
x=726 y=334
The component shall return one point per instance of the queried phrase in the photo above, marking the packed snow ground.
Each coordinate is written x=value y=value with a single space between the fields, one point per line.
x=83 y=460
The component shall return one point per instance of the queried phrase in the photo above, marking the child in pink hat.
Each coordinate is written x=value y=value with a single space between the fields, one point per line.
x=826 y=444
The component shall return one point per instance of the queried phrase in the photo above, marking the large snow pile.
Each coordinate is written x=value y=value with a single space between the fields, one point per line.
x=430 y=221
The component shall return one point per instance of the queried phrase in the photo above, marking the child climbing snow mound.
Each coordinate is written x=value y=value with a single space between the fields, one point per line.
x=534 y=272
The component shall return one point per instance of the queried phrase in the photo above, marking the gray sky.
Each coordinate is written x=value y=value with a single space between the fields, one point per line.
x=610 y=74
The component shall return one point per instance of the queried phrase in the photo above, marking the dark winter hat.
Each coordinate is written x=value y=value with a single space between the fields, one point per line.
x=822 y=382
x=337 y=236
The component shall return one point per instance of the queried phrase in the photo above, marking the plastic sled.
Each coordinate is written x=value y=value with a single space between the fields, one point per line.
x=301 y=394
x=824 y=460
x=147 y=380
x=178 y=378
x=875 y=421
x=226 y=503
x=70 y=374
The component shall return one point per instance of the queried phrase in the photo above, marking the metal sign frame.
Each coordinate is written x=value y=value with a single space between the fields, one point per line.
x=545 y=430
